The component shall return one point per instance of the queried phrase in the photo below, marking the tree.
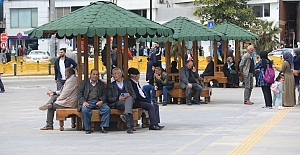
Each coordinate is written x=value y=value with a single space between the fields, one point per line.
x=268 y=33
x=174 y=50
x=232 y=11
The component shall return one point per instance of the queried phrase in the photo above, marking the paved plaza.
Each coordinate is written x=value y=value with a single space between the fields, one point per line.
x=224 y=126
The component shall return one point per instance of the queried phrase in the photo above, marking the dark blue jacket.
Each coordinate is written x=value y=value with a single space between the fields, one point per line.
x=296 y=61
x=139 y=98
x=68 y=63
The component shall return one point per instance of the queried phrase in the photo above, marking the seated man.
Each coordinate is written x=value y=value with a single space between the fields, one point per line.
x=209 y=70
x=161 y=82
x=149 y=87
x=121 y=96
x=188 y=82
x=92 y=95
x=144 y=102
x=66 y=97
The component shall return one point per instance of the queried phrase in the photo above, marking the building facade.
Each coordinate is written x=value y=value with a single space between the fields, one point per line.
x=22 y=15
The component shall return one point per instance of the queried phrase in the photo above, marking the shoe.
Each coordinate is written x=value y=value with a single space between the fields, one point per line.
x=161 y=127
x=129 y=130
x=88 y=132
x=280 y=108
x=195 y=102
x=248 y=103
x=154 y=127
x=164 y=103
x=2 y=91
x=188 y=103
x=102 y=130
x=47 y=128
x=123 y=118
x=44 y=107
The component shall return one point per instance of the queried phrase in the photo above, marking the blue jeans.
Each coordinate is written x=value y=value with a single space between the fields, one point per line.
x=86 y=112
x=201 y=75
x=165 y=92
x=277 y=97
x=146 y=89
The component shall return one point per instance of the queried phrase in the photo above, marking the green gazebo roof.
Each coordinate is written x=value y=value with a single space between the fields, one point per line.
x=234 y=32
x=187 y=30
x=101 y=18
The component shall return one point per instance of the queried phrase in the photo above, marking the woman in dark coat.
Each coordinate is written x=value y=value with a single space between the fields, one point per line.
x=231 y=73
x=296 y=61
x=265 y=87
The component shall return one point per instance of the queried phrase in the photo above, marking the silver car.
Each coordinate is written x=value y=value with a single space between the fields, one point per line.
x=279 y=52
x=38 y=55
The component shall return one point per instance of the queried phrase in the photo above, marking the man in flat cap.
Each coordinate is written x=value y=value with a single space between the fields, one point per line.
x=143 y=101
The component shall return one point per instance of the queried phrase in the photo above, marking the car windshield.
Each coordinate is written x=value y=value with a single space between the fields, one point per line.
x=37 y=53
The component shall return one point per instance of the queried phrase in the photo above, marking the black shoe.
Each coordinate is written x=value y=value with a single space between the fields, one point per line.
x=123 y=118
x=188 y=103
x=161 y=127
x=195 y=102
x=129 y=130
x=154 y=127
x=88 y=132
x=2 y=91
x=164 y=103
x=102 y=130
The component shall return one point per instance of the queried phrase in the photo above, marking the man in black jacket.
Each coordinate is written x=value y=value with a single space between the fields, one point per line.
x=144 y=102
x=120 y=95
x=60 y=66
x=209 y=70
x=92 y=95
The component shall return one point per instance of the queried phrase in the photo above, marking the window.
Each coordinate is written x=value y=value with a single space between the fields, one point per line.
x=261 y=10
x=23 y=18
x=142 y=13
x=61 y=11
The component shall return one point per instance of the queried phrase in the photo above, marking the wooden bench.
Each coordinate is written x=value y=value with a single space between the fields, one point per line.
x=179 y=93
x=76 y=118
x=218 y=76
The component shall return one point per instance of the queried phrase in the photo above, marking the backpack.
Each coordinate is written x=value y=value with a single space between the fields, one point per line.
x=269 y=74
x=274 y=87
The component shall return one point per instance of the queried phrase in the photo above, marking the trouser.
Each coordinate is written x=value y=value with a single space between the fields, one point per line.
x=60 y=83
x=298 y=88
x=146 y=89
x=153 y=111
x=248 y=86
x=52 y=109
x=197 y=88
x=126 y=106
x=1 y=85
x=267 y=95
x=104 y=112
x=277 y=97
x=165 y=92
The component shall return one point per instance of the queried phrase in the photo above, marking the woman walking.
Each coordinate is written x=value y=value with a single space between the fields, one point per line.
x=288 y=97
x=265 y=87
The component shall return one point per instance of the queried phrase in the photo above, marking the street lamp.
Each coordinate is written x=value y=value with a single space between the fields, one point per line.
x=150 y=18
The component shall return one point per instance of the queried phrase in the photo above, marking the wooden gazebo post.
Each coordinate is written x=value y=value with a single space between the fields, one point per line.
x=195 y=54
x=237 y=54
x=179 y=54
x=168 y=56
x=86 y=56
x=96 y=52
x=79 y=65
x=119 y=45
x=215 y=55
x=126 y=56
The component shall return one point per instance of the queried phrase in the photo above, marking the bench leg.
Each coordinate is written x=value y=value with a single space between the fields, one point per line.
x=121 y=125
x=206 y=100
x=135 y=123
x=78 y=123
x=145 y=121
x=179 y=101
x=92 y=126
x=224 y=85
x=73 y=121
x=61 y=124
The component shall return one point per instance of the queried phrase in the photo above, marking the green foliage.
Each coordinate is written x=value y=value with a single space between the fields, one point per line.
x=232 y=11
x=174 y=50
x=268 y=33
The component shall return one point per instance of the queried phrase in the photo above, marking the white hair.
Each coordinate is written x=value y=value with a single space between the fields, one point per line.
x=117 y=69
x=249 y=47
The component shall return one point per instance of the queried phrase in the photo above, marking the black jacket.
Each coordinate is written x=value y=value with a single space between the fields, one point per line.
x=209 y=70
x=68 y=63
x=139 y=98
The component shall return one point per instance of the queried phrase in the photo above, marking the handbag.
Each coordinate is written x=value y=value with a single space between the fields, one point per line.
x=231 y=71
x=296 y=72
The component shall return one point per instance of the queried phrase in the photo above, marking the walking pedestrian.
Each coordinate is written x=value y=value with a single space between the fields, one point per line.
x=2 y=90
x=247 y=70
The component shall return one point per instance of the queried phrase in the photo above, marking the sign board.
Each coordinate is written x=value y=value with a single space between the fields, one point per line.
x=210 y=24
x=19 y=35
x=3 y=37
x=3 y=45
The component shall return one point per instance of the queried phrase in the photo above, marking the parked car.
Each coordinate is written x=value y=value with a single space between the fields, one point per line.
x=38 y=55
x=279 y=52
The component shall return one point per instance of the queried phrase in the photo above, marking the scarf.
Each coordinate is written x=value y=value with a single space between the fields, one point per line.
x=287 y=56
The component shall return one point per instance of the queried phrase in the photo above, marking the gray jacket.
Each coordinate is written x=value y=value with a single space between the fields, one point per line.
x=84 y=90
x=245 y=63
x=184 y=76
x=112 y=91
